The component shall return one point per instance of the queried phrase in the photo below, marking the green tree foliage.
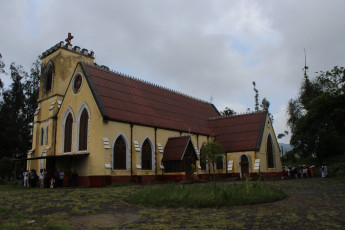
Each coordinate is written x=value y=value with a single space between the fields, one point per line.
x=256 y=97
x=265 y=104
x=212 y=153
x=227 y=112
x=295 y=112
x=2 y=71
x=281 y=135
x=17 y=107
x=316 y=117
x=6 y=168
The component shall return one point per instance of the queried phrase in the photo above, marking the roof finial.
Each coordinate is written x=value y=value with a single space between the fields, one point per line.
x=69 y=38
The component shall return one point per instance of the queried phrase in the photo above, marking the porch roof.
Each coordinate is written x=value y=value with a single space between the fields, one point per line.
x=175 y=148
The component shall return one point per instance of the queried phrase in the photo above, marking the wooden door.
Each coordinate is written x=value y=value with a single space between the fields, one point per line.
x=244 y=166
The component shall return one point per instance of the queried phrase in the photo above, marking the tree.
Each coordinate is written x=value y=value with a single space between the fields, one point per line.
x=2 y=71
x=316 y=117
x=12 y=115
x=265 y=104
x=256 y=97
x=281 y=135
x=17 y=111
x=294 y=111
x=212 y=153
x=227 y=112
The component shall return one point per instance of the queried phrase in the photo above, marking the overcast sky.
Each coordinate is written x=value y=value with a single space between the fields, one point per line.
x=201 y=48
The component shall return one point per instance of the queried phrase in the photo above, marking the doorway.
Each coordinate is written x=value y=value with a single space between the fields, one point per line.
x=244 y=167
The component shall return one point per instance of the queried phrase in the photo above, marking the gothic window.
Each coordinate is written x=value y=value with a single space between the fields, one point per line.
x=46 y=136
x=270 y=157
x=48 y=77
x=68 y=134
x=41 y=140
x=119 y=155
x=83 y=130
x=146 y=155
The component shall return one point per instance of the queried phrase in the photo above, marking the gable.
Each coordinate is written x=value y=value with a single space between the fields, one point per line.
x=74 y=102
x=177 y=147
x=122 y=98
x=240 y=132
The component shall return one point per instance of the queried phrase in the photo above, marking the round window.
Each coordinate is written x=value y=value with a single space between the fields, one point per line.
x=77 y=82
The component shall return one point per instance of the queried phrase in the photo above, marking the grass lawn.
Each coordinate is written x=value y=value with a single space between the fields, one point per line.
x=310 y=204
x=205 y=196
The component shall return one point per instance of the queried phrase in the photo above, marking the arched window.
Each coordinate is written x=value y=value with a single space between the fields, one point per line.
x=146 y=155
x=41 y=140
x=83 y=130
x=202 y=159
x=119 y=155
x=48 y=77
x=68 y=133
x=46 y=136
x=270 y=156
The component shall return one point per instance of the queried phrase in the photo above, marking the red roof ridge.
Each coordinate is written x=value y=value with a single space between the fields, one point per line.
x=146 y=82
x=236 y=115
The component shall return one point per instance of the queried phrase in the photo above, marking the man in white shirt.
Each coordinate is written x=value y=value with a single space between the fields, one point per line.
x=25 y=176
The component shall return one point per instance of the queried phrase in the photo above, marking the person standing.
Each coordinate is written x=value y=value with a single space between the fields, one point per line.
x=25 y=178
x=323 y=170
x=41 y=176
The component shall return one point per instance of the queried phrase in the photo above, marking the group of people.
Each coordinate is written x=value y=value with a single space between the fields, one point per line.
x=46 y=179
x=302 y=171
x=294 y=172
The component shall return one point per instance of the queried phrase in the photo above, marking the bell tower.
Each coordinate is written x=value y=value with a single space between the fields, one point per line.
x=58 y=65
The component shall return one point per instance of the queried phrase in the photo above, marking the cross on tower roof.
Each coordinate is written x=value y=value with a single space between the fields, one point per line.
x=69 y=38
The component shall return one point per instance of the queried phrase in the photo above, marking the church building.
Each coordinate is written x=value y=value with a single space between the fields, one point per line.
x=110 y=127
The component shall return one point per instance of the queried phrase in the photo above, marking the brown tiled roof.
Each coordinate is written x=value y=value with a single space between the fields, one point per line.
x=122 y=98
x=175 y=148
x=240 y=132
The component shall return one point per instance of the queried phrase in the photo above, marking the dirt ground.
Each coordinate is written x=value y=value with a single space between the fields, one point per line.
x=310 y=204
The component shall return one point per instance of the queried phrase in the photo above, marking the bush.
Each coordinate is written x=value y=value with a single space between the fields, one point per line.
x=205 y=196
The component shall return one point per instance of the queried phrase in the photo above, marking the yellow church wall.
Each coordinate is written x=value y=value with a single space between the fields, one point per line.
x=263 y=149
x=140 y=133
x=236 y=157
x=111 y=130
x=162 y=137
x=65 y=62
x=91 y=164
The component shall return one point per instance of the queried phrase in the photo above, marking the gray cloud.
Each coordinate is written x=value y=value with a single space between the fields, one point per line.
x=201 y=48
